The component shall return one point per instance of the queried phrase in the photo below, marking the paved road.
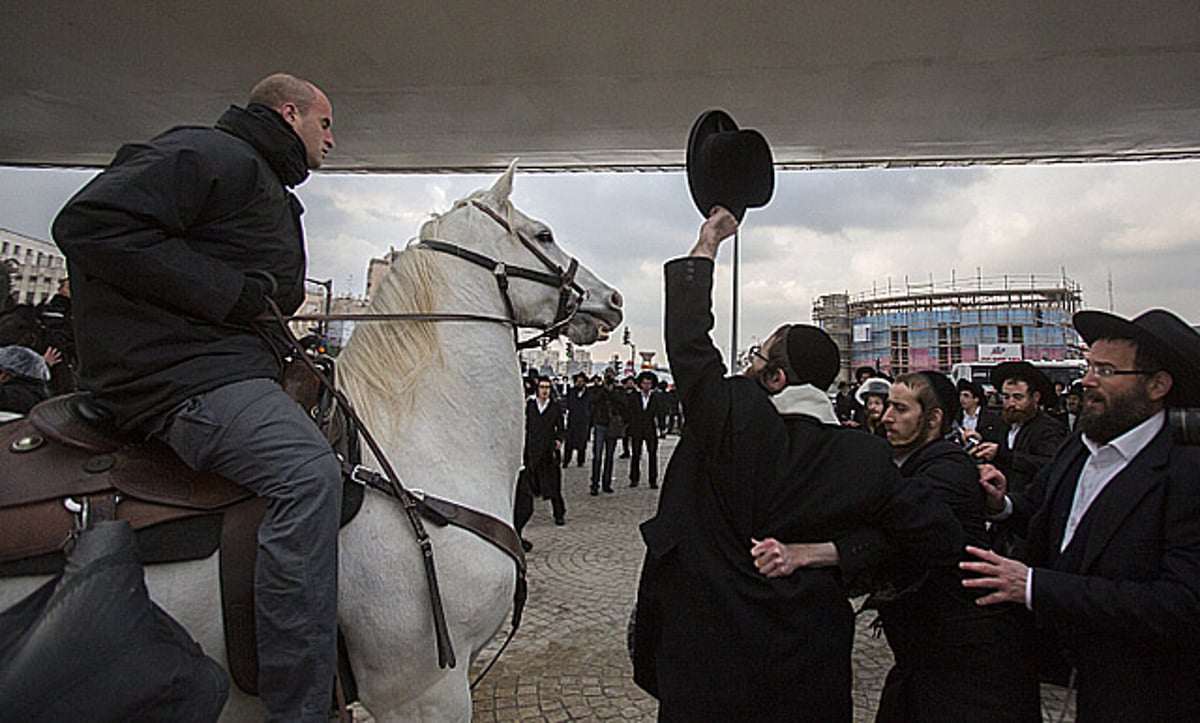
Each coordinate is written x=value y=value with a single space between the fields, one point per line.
x=568 y=661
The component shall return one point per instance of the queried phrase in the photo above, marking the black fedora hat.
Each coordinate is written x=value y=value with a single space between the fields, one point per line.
x=972 y=386
x=1170 y=339
x=1037 y=381
x=728 y=166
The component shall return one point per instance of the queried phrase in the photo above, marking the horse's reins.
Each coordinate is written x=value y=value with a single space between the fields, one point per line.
x=570 y=296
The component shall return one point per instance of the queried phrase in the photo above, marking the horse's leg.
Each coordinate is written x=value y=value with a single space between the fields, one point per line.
x=448 y=699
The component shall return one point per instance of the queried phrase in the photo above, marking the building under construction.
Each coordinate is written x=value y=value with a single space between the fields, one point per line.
x=939 y=324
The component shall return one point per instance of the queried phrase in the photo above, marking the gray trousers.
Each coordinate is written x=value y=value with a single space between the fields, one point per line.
x=251 y=432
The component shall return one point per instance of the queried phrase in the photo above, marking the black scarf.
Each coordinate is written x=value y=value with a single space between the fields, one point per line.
x=272 y=137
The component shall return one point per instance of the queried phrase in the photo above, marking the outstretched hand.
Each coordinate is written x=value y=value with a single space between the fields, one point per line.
x=719 y=226
x=994 y=485
x=1004 y=577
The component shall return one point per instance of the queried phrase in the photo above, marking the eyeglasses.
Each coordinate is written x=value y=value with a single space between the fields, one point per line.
x=1104 y=372
x=756 y=350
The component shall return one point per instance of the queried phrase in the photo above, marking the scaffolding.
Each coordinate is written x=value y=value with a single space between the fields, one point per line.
x=933 y=325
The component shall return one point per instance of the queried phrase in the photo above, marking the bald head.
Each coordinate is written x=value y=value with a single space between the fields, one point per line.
x=304 y=107
x=275 y=90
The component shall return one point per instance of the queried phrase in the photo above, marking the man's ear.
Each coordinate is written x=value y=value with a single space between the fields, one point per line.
x=1158 y=385
x=778 y=380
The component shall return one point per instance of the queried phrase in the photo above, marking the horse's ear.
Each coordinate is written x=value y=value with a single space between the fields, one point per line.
x=502 y=188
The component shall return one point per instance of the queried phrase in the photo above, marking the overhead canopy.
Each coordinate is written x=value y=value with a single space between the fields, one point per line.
x=424 y=85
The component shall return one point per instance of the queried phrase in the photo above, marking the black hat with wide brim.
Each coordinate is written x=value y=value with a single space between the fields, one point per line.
x=1034 y=377
x=1164 y=335
x=728 y=166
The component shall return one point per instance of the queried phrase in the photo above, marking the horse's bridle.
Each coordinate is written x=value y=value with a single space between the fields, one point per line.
x=570 y=293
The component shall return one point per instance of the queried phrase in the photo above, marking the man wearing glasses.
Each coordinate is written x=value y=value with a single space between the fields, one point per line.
x=1113 y=574
x=762 y=455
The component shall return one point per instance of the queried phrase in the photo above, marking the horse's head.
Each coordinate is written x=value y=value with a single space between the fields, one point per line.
x=545 y=287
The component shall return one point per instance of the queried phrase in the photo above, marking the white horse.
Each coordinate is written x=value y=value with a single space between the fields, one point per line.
x=445 y=402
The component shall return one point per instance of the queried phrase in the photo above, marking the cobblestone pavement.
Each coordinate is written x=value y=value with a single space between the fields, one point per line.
x=568 y=661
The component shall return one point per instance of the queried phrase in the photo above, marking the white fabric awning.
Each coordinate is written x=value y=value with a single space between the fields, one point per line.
x=429 y=85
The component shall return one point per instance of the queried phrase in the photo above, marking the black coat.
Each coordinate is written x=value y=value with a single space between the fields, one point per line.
x=955 y=660
x=603 y=404
x=1123 y=600
x=715 y=640
x=579 y=415
x=542 y=430
x=1033 y=449
x=19 y=395
x=646 y=422
x=158 y=247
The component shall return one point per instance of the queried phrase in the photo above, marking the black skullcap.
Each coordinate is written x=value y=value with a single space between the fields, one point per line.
x=813 y=355
x=946 y=393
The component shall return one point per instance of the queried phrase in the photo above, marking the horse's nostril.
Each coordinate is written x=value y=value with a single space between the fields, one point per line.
x=616 y=299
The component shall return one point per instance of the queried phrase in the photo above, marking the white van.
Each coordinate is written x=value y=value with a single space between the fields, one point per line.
x=1065 y=371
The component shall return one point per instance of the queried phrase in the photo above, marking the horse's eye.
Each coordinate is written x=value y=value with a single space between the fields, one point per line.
x=545 y=236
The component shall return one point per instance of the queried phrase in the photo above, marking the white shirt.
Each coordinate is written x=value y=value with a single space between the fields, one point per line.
x=541 y=404
x=1103 y=464
x=970 y=421
x=1012 y=434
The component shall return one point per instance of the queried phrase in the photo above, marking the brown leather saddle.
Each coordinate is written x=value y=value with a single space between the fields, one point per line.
x=63 y=457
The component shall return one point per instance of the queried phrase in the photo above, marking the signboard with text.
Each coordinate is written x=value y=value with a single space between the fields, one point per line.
x=996 y=353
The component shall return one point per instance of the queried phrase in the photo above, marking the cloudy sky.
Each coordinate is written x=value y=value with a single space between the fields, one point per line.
x=824 y=231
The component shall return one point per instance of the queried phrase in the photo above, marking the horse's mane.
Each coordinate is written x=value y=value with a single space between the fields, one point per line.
x=385 y=360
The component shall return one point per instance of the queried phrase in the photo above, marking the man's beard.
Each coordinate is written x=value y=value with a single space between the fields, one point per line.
x=759 y=376
x=1120 y=414
x=1012 y=415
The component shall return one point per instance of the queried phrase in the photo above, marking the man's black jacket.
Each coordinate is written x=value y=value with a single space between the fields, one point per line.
x=158 y=248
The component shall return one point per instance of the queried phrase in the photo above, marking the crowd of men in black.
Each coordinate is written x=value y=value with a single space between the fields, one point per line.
x=37 y=347
x=1052 y=541
x=561 y=419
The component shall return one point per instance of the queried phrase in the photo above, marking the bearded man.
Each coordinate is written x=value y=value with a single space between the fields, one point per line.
x=762 y=455
x=1113 y=573
x=1033 y=435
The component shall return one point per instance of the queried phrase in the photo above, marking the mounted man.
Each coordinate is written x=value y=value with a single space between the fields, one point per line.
x=174 y=250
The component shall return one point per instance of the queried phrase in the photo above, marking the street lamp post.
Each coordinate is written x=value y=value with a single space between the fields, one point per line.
x=323 y=324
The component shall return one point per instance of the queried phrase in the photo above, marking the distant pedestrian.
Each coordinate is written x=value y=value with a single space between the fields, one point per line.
x=541 y=476
x=608 y=423
x=646 y=415
x=579 y=419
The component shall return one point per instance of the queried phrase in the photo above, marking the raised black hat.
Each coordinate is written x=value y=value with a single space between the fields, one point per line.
x=728 y=166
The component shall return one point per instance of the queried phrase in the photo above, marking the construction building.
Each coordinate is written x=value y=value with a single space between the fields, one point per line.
x=938 y=324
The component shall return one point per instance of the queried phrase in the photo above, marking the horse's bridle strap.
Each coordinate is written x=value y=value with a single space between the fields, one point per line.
x=496 y=267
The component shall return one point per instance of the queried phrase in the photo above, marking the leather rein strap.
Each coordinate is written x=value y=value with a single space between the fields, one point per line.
x=407 y=501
